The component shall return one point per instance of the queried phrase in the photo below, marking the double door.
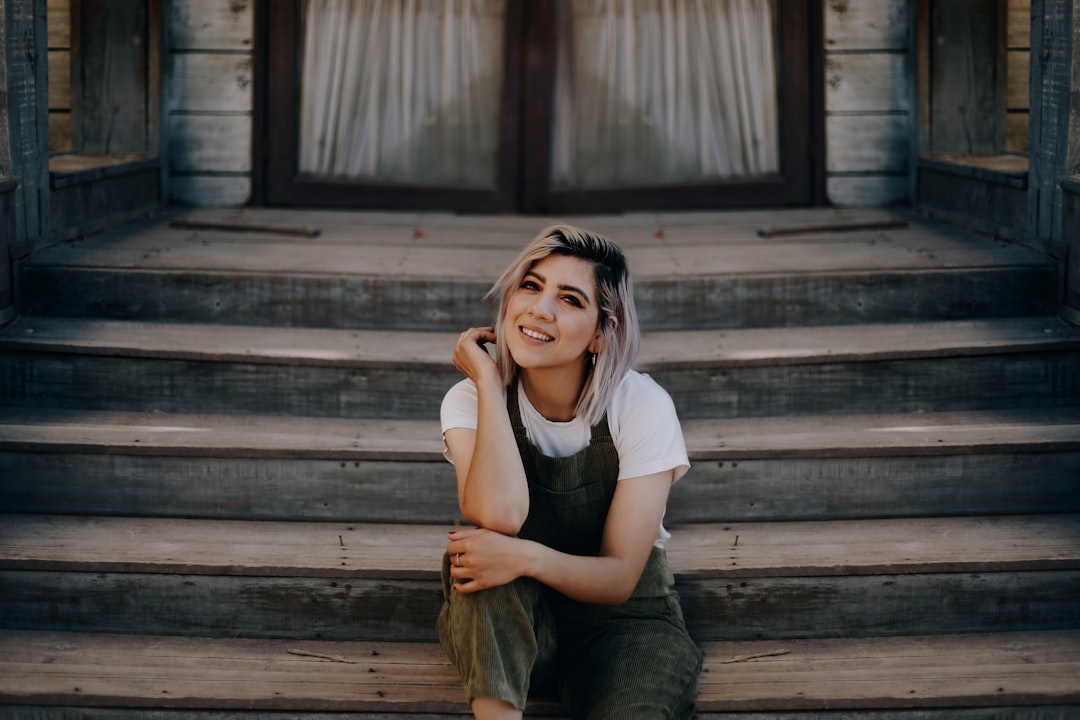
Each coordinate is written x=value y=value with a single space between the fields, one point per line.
x=539 y=105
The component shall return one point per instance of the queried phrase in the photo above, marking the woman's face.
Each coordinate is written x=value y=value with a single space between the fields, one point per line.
x=551 y=319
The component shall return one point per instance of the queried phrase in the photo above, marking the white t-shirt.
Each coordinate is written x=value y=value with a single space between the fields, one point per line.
x=641 y=417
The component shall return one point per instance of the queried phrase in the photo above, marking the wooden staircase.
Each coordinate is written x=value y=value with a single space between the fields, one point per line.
x=223 y=494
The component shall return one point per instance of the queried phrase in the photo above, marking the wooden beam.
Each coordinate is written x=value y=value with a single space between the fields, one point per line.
x=25 y=48
x=1055 y=120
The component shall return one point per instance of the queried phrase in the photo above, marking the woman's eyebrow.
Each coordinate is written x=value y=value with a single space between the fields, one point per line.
x=564 y=286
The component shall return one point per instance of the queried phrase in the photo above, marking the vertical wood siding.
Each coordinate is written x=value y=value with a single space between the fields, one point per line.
x=210 y=102
x=58 y=24
x=1018 y=103
x=868 y=114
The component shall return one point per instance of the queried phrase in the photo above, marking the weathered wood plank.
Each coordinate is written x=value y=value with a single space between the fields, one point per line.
x=990 y=202
x=210 y=143
x=58 y=22
x=866 y=25
x=1017 y=83
x=866 y=82
x=211 y=25
x=339 y=488
x=704 y=349
x=867 y=190
x=1006 y=363
x=211 y=82
x=25 y=155
x=15 y=712
x=830 y=673
x=60 y=80
x=110 y=97
x=1017 y=132
x=867 y=143
x=1019 y=24
x=344 y=607
x=967 y=78
x=210 y=190
x=52 y=430
x=306 y=549
x=444 y=302
x=60 y=132
x=947 y=671
x=333 y=489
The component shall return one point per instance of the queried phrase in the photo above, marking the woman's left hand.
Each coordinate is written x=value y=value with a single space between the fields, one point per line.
x=481 y=559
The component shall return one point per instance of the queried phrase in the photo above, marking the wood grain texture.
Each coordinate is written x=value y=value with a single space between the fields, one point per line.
x=210 y=143
x=210 y=25
x=866 y=25
x=866 y=82
x=408 y=552
x=211 y=82
x=947 y=671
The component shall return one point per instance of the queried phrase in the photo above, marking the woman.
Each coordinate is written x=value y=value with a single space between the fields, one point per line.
x=564 y=458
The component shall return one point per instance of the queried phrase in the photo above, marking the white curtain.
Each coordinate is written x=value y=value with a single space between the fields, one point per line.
x=653 y=92
x=402 y=90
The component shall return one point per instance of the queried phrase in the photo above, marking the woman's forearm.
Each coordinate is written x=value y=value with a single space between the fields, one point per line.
x=602 y=580
x=495 y=493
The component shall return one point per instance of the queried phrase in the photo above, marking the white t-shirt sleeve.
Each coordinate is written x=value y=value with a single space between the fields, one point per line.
x=458 y=410
x=646 y=429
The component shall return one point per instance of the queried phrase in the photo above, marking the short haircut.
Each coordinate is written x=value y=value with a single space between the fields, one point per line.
x=615 y=297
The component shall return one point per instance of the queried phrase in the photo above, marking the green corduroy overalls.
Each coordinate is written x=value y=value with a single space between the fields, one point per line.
x=633 y=661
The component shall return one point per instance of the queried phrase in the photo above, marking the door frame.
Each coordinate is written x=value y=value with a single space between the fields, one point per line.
x=523 y=164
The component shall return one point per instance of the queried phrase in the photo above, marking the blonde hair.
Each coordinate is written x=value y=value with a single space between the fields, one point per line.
x=617 y=321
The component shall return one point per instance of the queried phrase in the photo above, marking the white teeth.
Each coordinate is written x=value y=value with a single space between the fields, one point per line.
x=537 y=336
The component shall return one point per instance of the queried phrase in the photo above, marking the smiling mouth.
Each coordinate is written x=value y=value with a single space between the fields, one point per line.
x=536 y=335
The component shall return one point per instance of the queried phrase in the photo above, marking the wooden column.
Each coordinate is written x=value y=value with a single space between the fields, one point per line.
x=1055 y=132
x=25 y=64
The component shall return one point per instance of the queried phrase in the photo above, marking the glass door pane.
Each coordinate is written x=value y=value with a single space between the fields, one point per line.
x=402 y=91
x=664 y=92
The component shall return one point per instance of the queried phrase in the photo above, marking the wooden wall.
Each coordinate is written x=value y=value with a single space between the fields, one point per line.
x=58 y=23
x=868 y=101
x=210 y=101
x=1018 y=82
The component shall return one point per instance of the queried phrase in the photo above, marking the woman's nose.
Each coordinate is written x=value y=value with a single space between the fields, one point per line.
x=541 y=306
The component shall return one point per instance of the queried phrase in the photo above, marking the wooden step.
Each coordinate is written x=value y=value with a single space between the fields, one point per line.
x=946 y=366
x=362 y=581
x=362 y=470
x=431 y=273
x=218 y=675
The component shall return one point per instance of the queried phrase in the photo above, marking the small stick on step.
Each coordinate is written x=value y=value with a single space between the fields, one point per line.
x=835 y=226
x=745 y=658
x=331 y=658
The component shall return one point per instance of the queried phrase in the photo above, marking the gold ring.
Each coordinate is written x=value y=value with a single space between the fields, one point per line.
x=457 y=559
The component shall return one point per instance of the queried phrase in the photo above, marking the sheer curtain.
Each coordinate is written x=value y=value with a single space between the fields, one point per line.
x=402 y=90
x=653 y=92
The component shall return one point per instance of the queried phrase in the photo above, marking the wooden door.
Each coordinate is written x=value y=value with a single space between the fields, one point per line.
x=632 y=129
x=527 y=171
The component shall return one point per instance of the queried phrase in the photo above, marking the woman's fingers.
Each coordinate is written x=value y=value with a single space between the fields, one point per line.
x=470 y=356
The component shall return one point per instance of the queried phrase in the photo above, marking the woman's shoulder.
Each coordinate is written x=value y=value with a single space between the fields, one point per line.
x=637 y=388
x=459 y=406
x=638 y=396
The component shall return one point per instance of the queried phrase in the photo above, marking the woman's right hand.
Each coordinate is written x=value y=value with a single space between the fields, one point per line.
x=472 y=358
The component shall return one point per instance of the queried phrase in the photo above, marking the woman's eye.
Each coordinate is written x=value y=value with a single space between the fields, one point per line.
x=573 y=301
x=529 y=285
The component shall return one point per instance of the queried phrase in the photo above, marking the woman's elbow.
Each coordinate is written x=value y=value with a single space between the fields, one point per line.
x=506 y=521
